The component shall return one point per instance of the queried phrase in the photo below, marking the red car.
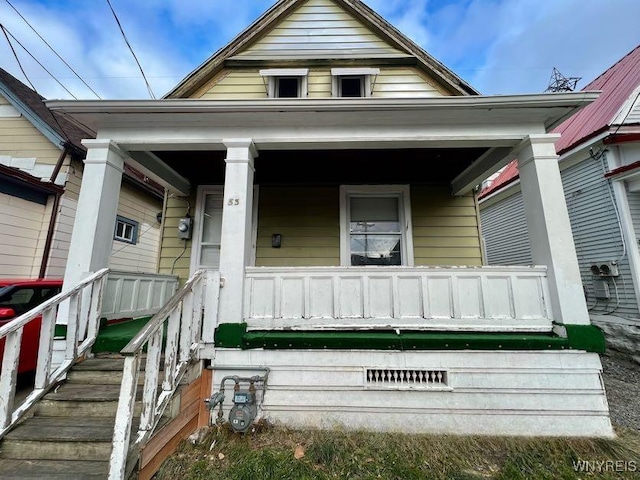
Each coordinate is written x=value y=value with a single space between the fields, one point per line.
x=18 y=297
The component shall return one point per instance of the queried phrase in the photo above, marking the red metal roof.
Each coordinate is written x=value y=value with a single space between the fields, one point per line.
x=617 y=84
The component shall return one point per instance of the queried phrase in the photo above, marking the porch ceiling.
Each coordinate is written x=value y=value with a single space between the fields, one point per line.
x=424 y=165
x=463 y=127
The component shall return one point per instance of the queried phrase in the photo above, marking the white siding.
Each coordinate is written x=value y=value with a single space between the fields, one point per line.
x=320 y=29
x=21 y=226
x=495 y=393
x=504 y=228
x=597 y=235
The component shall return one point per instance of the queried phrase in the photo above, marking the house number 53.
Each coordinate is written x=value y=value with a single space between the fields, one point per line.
x=233 y=201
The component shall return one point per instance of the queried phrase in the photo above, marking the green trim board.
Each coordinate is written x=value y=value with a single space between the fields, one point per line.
x=579 y=337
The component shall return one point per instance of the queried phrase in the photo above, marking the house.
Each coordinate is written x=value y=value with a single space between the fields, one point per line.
x=41 y=170
x=599 y=159
x=322 y=171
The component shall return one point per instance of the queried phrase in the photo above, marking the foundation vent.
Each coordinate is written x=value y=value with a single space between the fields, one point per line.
x=405 y=378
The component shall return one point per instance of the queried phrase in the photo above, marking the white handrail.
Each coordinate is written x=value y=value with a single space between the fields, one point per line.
x=183 y=318
x=82 y=330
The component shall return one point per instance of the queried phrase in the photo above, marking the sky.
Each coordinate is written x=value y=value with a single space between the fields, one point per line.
x=498 y=46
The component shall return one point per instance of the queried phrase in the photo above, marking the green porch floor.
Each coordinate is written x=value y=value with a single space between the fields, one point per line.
x=113 y=338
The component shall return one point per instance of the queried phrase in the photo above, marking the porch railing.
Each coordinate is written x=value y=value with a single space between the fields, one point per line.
x=131 y=294
x=82 y=330
x=424 y=298
x=182 y=317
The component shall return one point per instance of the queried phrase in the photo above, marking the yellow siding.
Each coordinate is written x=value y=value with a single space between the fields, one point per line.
x=171 y=247
x=143 y=256
x=308 y=218
x=393 y=82
x=445 y=228
x=20 y=139
x=230 y=84
x=4 y=101
x=405 y=82
x=319 y=28
x=21 y=227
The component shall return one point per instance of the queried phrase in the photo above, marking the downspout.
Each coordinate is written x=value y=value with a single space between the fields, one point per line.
x=54 y=213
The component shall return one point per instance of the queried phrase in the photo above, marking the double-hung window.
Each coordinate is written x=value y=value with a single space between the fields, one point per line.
x=375 y=226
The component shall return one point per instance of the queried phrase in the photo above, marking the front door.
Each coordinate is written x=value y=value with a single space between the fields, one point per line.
x=208 y=228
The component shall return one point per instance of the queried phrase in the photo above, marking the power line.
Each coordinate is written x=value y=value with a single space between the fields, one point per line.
x=7 y=32
x=124 y=36
x=52 y=49
x=15 y=54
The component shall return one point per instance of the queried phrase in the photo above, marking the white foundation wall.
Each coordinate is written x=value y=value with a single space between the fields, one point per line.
x=487 y=393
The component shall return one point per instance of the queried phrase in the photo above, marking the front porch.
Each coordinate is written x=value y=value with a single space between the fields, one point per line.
x=344 y=258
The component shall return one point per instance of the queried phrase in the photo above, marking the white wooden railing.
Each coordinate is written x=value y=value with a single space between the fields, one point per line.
x=183 y=316
x=425 y=298
x=131 y=294
x=82 y=330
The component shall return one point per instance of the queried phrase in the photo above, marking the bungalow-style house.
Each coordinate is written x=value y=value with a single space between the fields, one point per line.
x=322 y=216
x=41 y=170
x=599 y=160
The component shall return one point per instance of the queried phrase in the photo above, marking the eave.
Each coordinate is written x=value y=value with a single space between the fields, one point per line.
x=549 y=109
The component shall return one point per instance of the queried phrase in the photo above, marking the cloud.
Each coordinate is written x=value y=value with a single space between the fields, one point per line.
x=499 y=46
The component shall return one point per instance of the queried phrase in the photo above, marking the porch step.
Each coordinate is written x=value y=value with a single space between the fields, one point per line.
x=70 y=432
x=55 y=470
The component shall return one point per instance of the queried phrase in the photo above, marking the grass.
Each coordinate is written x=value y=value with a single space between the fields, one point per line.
x=277 y=453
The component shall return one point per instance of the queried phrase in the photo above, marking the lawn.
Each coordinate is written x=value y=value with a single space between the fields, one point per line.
x=276 y=453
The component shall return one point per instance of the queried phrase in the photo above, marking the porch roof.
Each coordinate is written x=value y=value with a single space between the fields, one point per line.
x=499 y=123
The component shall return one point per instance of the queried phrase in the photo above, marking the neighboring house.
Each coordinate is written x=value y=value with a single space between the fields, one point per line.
x=600 y=166
x=325 y=167
x=40 y=176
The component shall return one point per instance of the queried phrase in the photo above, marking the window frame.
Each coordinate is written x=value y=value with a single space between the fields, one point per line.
x=134 y=232
x=365 y=74
x=402 y=192
x=273 y=75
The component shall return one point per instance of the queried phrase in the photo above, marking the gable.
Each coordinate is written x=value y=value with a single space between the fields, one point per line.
x=320 y=29
x=318 y=33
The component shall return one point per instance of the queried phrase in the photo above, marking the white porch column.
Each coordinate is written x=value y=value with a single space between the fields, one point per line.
x=236 y=227
x=94 y=224
x=549 y=228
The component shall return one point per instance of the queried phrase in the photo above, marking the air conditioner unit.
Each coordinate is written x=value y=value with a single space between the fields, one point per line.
x=605 y=269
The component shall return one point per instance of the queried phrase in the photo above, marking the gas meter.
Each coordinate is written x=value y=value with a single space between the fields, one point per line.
x=245 y=409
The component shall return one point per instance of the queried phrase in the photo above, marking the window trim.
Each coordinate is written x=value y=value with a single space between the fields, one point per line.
x=130 y=222
x=365 y=73
x=402 y=192
x=273 y=74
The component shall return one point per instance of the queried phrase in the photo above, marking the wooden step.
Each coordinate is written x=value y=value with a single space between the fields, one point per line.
x=52 y=470
x=81 y=400
x=45 y=438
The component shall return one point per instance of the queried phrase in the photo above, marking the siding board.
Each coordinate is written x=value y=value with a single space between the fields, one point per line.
x=504 y=228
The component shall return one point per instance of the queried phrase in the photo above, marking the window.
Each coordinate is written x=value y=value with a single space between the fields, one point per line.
x=353 y=82
x=287 y=87
x=375 y=226
x=285 y=82
x=126 y=230
x=352 y=86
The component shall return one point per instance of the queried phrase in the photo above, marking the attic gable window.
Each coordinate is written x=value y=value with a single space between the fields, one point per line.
x=285 y=82
x=353 y=82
